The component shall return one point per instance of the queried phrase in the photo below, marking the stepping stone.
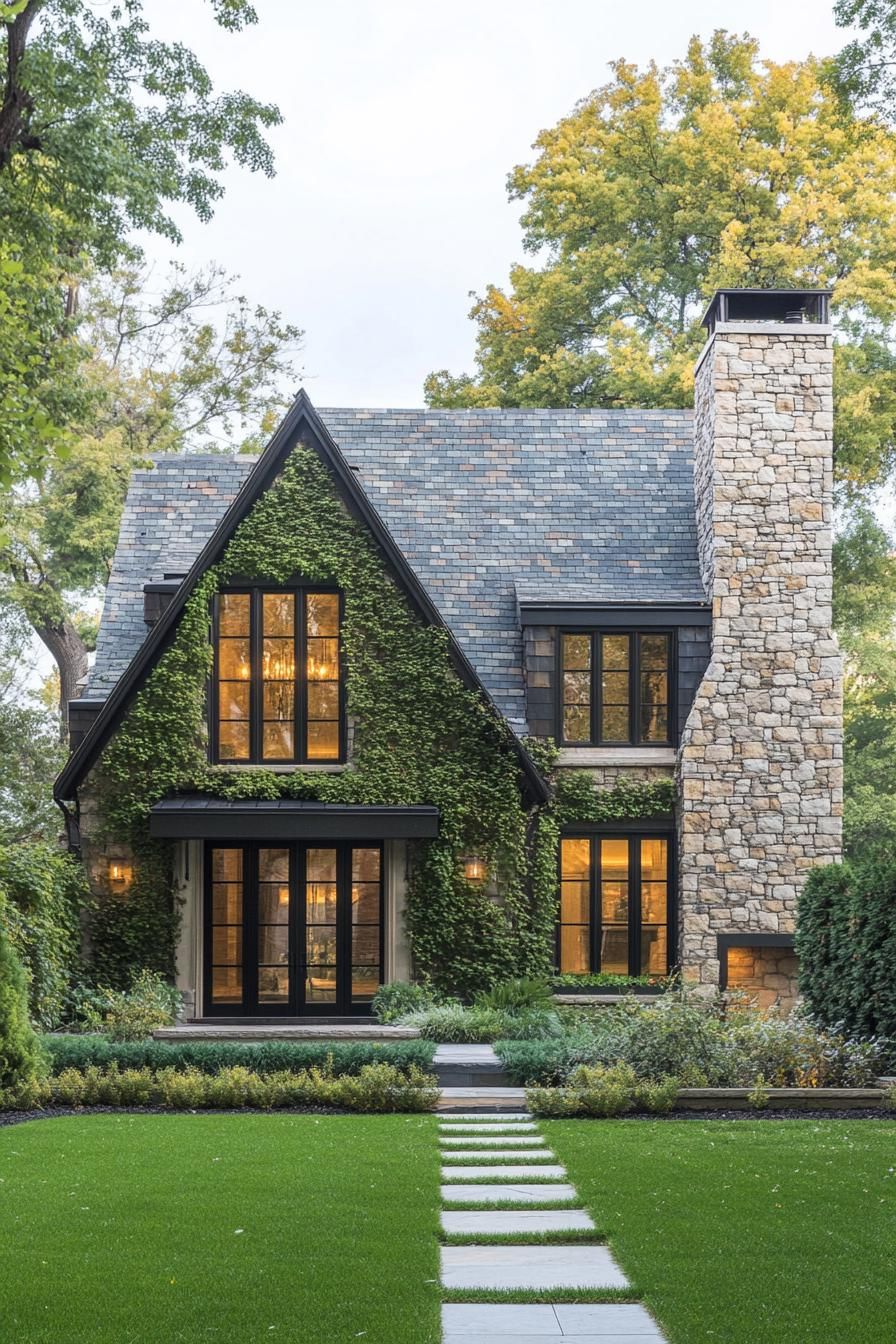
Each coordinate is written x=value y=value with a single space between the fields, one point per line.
x=552 y=1169
x=627 y=1319
x=530 y=1267
x=522 y=1155
x=611 y=1323
x=496 y=1126
x=489 y=1117
x=493 y=1140
x=494 y=1222
x=457 y=1192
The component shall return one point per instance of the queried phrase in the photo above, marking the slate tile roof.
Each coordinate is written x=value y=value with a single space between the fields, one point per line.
x=576 y=505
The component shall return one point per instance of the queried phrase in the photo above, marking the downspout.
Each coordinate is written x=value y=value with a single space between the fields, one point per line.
x=72 y=826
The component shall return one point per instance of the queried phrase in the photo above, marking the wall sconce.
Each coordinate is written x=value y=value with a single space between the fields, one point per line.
x=119 y=873
x=475 y=869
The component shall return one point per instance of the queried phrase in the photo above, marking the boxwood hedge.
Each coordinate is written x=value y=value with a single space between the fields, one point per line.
x=262 y=1057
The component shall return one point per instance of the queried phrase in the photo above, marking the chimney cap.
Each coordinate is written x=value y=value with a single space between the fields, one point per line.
x=792 y=306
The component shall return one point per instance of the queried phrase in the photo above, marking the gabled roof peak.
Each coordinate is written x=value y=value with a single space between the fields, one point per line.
x=301 y=418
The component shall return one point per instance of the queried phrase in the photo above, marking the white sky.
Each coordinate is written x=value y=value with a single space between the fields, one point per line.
x=402 y=119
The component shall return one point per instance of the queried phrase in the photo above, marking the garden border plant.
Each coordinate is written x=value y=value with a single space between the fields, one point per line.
x=419 y=735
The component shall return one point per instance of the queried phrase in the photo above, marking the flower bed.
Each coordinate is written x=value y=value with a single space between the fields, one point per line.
x=701 y=1043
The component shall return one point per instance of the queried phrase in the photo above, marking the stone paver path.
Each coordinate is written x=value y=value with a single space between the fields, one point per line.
x=484 y=1165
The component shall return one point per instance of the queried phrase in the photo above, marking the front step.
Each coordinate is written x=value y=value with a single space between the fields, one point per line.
x=482 y=1100
x=362 y=1029
x=464 y=1066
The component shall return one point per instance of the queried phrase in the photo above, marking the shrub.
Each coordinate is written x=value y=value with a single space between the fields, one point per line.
x=602 y=1090
x=236 y=1087
x=21 y=1059
x=795 y=1052
x=452 y=1022
x=605 y=1090
x=696 y=1042
x=846 y=943
x=379 y=1087
x=32 y=1095
x=557 y=1103
x=135 y=1014
x=657 y=1097
x=516 y=996
x=539 y=1062
x=69 y=1087
x=263 y=1057
x=759 y=1097
x=43 y=889
x=181 y=1089
x=396 y=1000
x=609 y=980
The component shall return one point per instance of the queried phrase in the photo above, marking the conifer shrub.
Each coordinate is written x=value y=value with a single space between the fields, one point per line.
x=846 y=944
x=21 y=1058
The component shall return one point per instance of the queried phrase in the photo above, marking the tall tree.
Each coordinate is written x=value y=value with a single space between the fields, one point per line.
x=103 y=128
x=865 y=69
x=188 y=366
x=31 y=752
x=865 y=618
x=666 y=183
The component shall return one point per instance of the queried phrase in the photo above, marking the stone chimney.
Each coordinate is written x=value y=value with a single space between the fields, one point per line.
x=760 y=765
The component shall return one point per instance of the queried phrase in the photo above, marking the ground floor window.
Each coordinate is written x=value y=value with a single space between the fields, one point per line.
x=614 y=904
x=292 y=928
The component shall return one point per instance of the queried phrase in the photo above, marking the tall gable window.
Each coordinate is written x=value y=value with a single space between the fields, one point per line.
x=278 y=677
x=615 y=688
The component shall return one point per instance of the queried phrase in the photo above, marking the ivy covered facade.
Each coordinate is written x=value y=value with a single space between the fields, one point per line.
x=404 y=697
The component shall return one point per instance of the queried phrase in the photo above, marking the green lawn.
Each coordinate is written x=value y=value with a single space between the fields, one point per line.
x=125 y=1229
x=747 y=1232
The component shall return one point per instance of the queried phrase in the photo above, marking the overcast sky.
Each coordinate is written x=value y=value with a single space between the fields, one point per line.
x=402 y=119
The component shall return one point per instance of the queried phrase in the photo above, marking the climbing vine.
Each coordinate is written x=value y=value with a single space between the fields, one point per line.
x=419 y=736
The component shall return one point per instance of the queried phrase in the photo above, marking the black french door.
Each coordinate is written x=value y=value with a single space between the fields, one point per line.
x=292 y=929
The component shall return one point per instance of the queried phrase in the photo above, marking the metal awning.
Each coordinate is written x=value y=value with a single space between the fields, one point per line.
x=202 y=818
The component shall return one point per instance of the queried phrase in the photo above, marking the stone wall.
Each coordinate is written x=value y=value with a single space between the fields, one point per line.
x=760 y=765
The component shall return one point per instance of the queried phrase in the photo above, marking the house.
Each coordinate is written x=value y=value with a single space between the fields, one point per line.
x=317 y=731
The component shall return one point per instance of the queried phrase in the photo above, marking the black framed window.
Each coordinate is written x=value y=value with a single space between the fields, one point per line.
x=615 y=687
x=293 y=928
x=615 y=904
x=278 y=693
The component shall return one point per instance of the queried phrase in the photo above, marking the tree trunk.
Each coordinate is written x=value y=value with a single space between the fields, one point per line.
x=70 y=653
x=17 y=104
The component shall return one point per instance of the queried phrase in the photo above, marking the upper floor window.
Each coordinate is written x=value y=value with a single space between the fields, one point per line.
x=278 y=677
x=615 y=688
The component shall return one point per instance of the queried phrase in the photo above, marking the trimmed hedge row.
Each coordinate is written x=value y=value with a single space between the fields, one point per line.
x=262 y=1057
x=846 y=944
x=377 y=1087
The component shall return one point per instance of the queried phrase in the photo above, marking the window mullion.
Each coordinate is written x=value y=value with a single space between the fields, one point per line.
x=634 y=689
x=299 y=691
x=634 y=905
x=596 y=904
x=597 y=680
x=255 y=673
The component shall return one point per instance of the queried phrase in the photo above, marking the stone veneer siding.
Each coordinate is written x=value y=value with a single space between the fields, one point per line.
x=760 y=765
